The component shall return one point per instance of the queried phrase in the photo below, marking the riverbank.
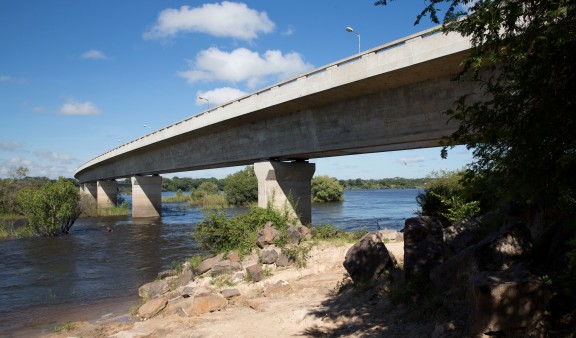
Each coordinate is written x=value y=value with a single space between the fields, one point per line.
x=313 y=301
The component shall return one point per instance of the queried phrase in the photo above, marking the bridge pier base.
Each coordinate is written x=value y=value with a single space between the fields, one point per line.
x=89 y=193
x=107 y=194
x=286 y=185
x=146 y=196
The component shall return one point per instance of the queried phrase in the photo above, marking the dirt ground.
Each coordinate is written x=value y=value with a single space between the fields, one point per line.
x=316 y=302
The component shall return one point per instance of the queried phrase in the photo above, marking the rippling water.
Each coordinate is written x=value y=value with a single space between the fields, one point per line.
x=94 y=272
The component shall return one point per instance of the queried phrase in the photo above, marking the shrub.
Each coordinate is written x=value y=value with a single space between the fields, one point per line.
x=241 y=188
x=217 y=233
x=53 y=208
x=326 y=189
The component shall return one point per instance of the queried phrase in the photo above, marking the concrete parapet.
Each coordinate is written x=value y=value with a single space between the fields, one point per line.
x=286 y=185
x=107 y=194
x=146 y=196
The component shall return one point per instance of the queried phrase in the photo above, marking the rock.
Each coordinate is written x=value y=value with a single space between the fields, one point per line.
x=187 y=291
x=423 y=245
x=207 y=264
x=154 y=289
x=229 y=293
x=277 y=290
x=255 y=272
x=461 y=235
x=268 y=256
x=205 y=303
x=390 y=235
x=233 y=257
x=152 y=307
x=305 y=232
x=225 y=267
x=185 y=277
x=293 y=235
x=167 y=273
x=512 y=303
x=497 y=252
x=268 y=235
x=283 y=260
x=368 y=259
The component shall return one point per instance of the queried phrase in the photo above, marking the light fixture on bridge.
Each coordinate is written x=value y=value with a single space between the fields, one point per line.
x=350 y=30
x=207 y=101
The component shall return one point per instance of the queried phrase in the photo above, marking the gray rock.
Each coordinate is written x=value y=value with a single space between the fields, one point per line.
x=293 y=234
x=512 y=302
x=187 y=291
x=154 y=289
x=185 y=277
x=229 y=293
x=423 y=245
x=207 y=264
x=305 y=232
x=268 y=256
x=167 y=273
x=368 y=259
x=283 y=260
x=255 y=272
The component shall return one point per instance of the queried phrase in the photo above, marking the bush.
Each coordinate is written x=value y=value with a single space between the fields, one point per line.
x=241 y=188
x=217 y=233
x=53 y=208
x=446 y=197
x=326 y=189
x=208 y=196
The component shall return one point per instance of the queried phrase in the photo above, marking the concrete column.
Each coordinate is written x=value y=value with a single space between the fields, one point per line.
x=107 y=194
x=146 y=196
x=286 y=185
x=89 y=192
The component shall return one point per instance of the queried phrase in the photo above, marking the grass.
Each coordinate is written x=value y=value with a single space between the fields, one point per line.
x=210 y=201
x=180 y=197
x=298 y=254
x=65 y=327
x=327 y=232
x=222 y=281
x=8 y=229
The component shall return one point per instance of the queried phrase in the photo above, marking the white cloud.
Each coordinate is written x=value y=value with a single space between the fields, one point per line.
x=55 y=157
x=218 y=96
x=9 y=146
x=244 y=65
x=4 y=78
x=79 y=108
x=408 y=160
x=225 y=19
x=94 y=54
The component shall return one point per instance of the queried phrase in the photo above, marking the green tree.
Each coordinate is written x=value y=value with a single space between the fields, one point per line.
x=51 y=209
x=9 y=189
x=241 y=188
x=326 y=189
x=522 y=136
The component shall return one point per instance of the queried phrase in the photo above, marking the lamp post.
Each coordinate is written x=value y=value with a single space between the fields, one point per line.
x=207 y=101
x=350 y=30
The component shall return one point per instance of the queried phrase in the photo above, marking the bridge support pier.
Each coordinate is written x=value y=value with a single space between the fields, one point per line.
x=107 y=194
x=286 y=185
x=89 y=193
x=146 y=196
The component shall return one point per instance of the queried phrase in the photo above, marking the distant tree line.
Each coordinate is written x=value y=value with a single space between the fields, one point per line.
x=384 y=183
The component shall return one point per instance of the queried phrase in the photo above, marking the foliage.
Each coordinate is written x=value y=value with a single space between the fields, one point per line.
x=298 y=254
x=180 y=197
x=208 y=196
x=446 y=197
x=522 y=135
x=241 y=188
x=328 y=232
x=64 y=327
x=51 y=209
x=9 y=230
x=187 y=184
x=326 y=189
x=217 y=233
x=194 y=261
x=384 y=183
x=9 y=189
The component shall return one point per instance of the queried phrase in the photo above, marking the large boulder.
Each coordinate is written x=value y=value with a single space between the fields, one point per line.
x=255 y=273
x=207 y=264
x=368 y=259
x=205 y=303
x=497 y=252
x=268 y=256
x=423 y=245
x=152 y=307
x=267 y=236
x=154 y=289
x=305 y=232
x=510 y=303
x=225 y=267
x=293 y=234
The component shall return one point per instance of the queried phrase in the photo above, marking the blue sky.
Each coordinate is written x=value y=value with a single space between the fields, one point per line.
x=80 y=77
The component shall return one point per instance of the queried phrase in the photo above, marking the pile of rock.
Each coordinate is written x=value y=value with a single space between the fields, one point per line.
x=196 y=291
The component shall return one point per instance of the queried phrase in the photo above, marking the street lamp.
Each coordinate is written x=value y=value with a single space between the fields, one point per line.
x=350 y=30
x=207 y=101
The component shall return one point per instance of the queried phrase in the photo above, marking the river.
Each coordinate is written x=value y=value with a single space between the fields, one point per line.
x=94 y=272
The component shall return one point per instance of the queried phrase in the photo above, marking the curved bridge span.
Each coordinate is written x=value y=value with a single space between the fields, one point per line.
x=388 y=98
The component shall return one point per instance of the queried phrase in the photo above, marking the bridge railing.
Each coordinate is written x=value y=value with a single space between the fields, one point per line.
x=340 y=63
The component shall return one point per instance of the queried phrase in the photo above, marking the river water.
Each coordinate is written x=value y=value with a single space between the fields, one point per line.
x=94 y=272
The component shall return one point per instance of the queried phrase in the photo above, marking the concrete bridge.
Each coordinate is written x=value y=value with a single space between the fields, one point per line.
x=388 y=98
